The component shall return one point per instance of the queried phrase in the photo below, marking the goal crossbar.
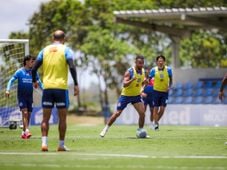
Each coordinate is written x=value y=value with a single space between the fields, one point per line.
x=23 y=41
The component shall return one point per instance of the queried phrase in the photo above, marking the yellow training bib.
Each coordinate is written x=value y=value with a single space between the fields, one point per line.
x=135 y=87
x=161 y=80
x=55 y=68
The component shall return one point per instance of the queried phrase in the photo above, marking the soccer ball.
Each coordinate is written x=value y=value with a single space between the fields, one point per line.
x=141 y=133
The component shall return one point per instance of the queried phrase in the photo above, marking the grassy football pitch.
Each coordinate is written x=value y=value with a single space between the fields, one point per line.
x=173 y=147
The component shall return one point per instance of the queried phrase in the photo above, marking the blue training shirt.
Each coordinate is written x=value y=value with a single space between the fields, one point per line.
x=148 y=89
x=25 y=86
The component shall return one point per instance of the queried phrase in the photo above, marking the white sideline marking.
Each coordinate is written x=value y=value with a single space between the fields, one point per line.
x=73 y=153
x=117 y=155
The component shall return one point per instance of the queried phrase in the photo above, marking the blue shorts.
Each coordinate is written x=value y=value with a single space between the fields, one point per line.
x=24 y=103
x=160 y=98
x=123 y=101
x=148 y=100
x=59 y=97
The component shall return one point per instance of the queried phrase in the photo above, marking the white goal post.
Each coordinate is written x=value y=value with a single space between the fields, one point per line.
x=19 y=41
x=12 y=52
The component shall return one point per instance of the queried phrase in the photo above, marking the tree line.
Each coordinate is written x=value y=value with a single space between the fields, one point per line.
x=107 y=47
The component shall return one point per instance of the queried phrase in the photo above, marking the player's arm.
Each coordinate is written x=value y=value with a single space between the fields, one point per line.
x=151 y=74
x=146 y=79
x=221 y=92
x=10 y=83
x=145 y=82
x=39 y=82
x=142 y=93
x=170 y=77
x=128 y=79
x=72 y=69
x=38 y=63
x=170 y=81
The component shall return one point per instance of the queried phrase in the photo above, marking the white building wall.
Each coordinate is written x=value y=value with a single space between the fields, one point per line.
x=193 y=75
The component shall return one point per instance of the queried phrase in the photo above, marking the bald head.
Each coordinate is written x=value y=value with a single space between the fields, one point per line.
x=59 y=35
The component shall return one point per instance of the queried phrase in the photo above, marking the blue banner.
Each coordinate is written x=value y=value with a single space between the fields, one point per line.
x=8 y=114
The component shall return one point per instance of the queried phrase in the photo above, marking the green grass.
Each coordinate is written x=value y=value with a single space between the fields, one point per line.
x=170 y=148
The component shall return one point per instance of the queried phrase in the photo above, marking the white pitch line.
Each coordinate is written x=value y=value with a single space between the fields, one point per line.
x=119 y=155
x=189 y=157
x=73 y=153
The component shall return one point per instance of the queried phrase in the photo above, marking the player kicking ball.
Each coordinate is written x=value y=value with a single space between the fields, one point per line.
x=133 y=81
x=24 y=92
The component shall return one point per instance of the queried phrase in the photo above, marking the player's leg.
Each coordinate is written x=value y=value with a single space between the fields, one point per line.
x=45 y=128
x=139 y=106
x=112 y=119
x=47 y=104
x=161 y=112
x=122 y=103
x=156 y=102
x=29 y=106
x=151 y=113
x=145 y=102
x=149 y=102
x=25 y=115
x=151 y=116
x=62 y=126
x=140 y=110
x=61 y=98
x=155 y=115
x=62 y=123
x=24 y=112
x=163 y=103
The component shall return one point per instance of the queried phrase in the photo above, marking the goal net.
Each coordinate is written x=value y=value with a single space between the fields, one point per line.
x=12 y=52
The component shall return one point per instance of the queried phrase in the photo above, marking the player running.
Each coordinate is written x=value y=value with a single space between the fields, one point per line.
x=162 y=75
x=133 y=81
x=24 y=92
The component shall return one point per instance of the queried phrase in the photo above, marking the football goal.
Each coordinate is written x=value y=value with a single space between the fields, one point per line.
x=12 y=52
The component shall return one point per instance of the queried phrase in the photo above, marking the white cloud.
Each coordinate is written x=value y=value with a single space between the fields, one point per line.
x=14 y=15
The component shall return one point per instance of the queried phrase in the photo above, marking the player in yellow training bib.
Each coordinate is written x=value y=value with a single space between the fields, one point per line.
x=56 y=59
x=162 y=76
x=134 y=79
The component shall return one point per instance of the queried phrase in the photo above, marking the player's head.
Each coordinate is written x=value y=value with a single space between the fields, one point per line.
x=160 y=61
x=59 y=35
x=28 y=61
x=139 y=62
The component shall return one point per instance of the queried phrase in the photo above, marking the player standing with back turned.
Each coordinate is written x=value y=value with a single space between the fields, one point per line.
x=55 y=60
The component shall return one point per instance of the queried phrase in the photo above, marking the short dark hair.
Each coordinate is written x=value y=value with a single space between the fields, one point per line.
x=27 y=58
x=59 y=35
x=139 y=57
x=160 y=56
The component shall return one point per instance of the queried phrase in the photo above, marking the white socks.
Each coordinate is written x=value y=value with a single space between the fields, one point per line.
x=106 y=128
x=26 y=131
x=44 y=140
